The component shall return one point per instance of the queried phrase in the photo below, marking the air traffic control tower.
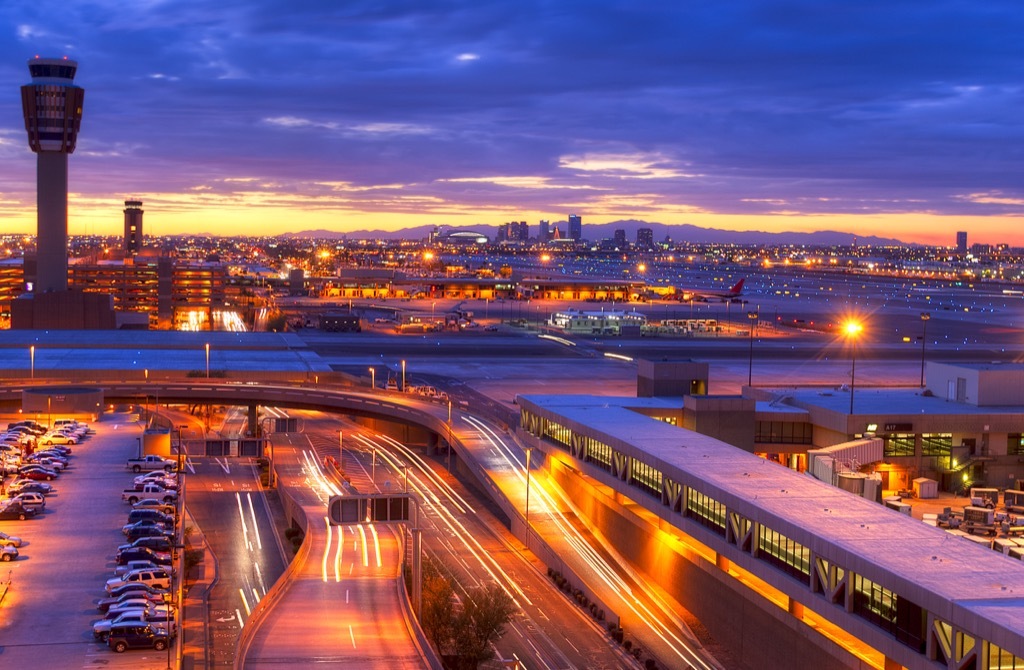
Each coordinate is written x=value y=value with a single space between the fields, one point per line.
x=53 y=114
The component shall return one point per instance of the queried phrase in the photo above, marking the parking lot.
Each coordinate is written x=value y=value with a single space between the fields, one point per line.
x=67 y=556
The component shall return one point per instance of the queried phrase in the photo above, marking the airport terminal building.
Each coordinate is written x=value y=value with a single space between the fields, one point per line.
x=769 y=558
x=964 y=428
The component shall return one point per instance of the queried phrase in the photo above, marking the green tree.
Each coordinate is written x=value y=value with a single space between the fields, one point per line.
x=462 y=629
x=437 y=610
x=486 y=610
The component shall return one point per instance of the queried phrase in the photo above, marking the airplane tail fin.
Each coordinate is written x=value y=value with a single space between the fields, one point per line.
x=738 y=288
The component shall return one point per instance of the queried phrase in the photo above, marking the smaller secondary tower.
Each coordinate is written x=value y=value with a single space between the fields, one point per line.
x=132 y=227
x=53 y=113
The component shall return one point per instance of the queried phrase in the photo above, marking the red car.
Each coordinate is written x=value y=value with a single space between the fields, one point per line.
x=40 y=474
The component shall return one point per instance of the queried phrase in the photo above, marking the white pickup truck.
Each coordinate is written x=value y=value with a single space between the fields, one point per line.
x=151 y=462
x=132 y=496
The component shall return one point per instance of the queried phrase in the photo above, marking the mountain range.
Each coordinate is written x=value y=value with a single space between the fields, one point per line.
x=677 y=232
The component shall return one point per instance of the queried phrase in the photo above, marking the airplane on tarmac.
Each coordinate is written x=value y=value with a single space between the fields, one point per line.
x=686 y=295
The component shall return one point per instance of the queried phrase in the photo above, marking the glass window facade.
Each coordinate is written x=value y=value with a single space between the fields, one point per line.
x=788 y=555
x=706 y=511
x=645 y=477
x=783 y=432
x=1015 y=444
x=898 y=444
x=997 y=658
x=900 y=617
x=936 y=444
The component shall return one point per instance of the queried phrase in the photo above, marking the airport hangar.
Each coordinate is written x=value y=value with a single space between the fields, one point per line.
x=768 y=558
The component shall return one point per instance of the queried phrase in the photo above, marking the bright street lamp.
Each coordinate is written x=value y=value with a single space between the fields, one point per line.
x=207 y=360
x=924 y=336
x=853 y=329
x=32 y=355
x=750 y=368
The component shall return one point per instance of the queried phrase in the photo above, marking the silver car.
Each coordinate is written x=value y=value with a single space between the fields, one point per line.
x=29 y=500
x=9 y=540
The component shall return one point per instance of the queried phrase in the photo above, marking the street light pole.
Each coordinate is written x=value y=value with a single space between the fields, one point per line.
x=924 y=336
x=341 y=451
x=207 y=360
x=403 y=376
x=750 y=368
x=529 y=452
x=449 y=436
x=853 y=329
x=32 y=355
x=373 y=379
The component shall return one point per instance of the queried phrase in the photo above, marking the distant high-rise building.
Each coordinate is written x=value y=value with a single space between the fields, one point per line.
x=644 y=238
x=52 y=105
x=619 y=238
x=544 y=231
x=514 y=231
x=132 y=227
x=575 y=227
x=961 y=242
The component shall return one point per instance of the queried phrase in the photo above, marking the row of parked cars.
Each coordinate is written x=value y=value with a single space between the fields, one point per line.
x=137 y=609
x=33 y=468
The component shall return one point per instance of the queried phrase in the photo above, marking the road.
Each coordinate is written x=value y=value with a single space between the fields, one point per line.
x=548 y=631
x=227 y=502
x=342 y=606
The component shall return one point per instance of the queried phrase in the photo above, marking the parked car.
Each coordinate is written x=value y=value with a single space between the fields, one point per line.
x=33 y=501
x=156 y=616
x=159 y=477
x=55 y=464
x=32 y=425
x=137 y=515
x=105 y=604
x=157 y=577
x=154 y=503
x=140 y=564
x=13 y=510
x=137 y=587
x=8 y=553
x=23 y=485
x=145 y=532
x=125 y=556
x=155 y=524
x=137 y=636
x=159 y=543
x=9 y=540
x=57 y=438
x=33 y=471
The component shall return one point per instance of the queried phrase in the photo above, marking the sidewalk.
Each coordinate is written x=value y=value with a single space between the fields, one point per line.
x=195 y=612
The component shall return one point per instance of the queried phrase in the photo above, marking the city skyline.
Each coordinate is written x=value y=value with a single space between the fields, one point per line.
x=265 y=118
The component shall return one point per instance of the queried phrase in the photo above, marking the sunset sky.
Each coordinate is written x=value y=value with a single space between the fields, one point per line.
x=900 y=118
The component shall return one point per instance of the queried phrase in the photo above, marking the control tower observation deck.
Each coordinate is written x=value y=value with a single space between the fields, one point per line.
x=53 y=114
